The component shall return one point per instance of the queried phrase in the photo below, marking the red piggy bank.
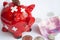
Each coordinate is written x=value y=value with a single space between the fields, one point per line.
x=17 y=18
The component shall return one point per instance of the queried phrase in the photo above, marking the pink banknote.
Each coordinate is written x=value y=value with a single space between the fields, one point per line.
x=50 y=26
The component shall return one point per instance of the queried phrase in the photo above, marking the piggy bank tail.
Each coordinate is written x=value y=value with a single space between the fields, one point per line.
x=5 y=4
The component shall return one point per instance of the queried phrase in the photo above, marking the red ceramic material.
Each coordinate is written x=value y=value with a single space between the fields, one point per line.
x=17 y=19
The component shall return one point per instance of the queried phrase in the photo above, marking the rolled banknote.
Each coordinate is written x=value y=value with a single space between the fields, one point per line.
x=49 y=26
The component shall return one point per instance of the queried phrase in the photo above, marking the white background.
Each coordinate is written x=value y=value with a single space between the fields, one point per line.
x=42 y=7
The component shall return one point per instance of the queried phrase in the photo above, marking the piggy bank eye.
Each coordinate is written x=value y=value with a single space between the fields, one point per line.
x=25 y=14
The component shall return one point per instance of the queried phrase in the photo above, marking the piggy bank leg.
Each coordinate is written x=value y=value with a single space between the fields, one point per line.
x=17 y=35
x=31 y=20
x=4 y=29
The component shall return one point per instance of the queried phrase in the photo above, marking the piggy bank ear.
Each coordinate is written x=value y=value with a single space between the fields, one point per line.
x=30 y=8
x=5 y=3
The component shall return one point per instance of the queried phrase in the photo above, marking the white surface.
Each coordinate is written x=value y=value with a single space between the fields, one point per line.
x=42 y=7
